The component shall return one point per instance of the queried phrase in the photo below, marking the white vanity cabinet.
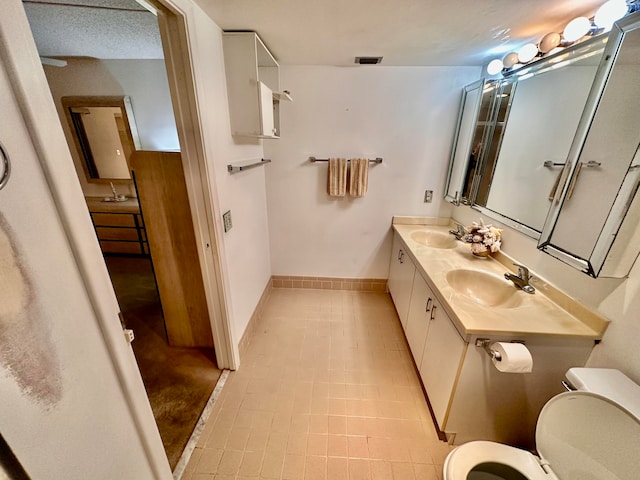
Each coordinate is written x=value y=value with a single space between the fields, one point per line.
x=401 y=273
x=436 y=346
x=420 y=310
x=253 y=86
x=444 y=352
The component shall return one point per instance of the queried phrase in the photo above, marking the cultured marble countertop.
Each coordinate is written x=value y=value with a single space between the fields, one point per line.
x=535 y=314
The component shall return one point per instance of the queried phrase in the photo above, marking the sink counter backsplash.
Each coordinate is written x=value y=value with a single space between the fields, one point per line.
x=480 y=300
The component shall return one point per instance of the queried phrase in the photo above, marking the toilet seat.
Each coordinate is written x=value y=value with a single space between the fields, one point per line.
x=464 y=458
x=580 y=436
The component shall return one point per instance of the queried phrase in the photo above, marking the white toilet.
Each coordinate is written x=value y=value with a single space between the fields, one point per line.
x=589 y=434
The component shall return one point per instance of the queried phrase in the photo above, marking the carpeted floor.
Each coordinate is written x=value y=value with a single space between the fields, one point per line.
x=178 y=381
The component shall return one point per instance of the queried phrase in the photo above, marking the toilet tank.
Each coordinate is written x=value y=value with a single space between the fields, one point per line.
x=610 y=383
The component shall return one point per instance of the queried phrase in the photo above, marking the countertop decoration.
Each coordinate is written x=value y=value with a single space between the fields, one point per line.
x=484 y=239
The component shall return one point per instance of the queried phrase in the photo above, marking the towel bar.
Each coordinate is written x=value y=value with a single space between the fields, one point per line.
x=314 y=159
x=240 y=168
x=590 y=164
x=5 y=168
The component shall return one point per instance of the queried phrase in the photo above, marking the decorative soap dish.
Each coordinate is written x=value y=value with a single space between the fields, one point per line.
x=118 y=198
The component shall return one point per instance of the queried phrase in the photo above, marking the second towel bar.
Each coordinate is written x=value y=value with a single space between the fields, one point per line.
x=314 y=159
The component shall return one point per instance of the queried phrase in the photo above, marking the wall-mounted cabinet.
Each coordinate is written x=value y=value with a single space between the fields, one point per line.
x=253 y=86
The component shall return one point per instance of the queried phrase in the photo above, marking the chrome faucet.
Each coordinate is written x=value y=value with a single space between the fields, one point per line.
x=459 y=232
x=521 y=280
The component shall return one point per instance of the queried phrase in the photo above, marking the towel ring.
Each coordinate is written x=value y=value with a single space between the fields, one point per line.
x=6 y=167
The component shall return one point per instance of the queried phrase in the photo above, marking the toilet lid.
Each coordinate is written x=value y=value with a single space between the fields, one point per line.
x=585 y=436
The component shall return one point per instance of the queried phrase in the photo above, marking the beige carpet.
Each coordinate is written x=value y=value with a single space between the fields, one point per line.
x=178 y=381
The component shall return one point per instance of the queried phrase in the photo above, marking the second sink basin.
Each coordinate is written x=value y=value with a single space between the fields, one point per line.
x=434 y=239
x=484 y=288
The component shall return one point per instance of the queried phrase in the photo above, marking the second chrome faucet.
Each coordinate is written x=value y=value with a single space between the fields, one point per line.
x=521 y=280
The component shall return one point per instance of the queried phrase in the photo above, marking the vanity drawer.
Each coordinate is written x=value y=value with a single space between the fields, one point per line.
x=114 y=219
x=127 y=248
x=120 y=233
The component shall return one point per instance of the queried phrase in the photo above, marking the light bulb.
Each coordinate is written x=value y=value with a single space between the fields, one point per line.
x=495 y=66
x=527 y=53
x=611 y=11
x=549 y=42
x=576 y=28
x=510 y=59
x=556 y=50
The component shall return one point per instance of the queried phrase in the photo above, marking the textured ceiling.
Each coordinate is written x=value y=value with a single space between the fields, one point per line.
x=405 y=32
x=316 y=32
x=114 y=29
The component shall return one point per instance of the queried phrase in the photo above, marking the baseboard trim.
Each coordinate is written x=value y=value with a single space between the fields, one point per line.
x=253 y=321
x=330 y=283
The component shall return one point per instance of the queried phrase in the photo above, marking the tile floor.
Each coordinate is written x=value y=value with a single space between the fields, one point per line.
x=326 y=390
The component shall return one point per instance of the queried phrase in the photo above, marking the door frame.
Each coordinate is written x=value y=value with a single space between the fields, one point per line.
x=173 y=21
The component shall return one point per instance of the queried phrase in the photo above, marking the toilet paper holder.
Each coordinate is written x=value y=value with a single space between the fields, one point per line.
x=486 y=344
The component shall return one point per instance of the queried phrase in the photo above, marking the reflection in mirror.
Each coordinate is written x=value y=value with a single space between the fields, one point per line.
x=534 y=121
x=105 y=134
x=587 y=222
x=462 y=141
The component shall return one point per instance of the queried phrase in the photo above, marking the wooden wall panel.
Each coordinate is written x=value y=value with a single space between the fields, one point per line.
x=165 y=207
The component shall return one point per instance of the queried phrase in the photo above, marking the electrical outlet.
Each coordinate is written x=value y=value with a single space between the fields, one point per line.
x=226 y=219
x=428 y=196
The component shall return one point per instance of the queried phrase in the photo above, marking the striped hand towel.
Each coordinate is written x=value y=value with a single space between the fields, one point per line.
x=359 y=177
x=337 y=177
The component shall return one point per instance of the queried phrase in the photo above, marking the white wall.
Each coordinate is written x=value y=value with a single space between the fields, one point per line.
x=246 y=246
x=145 y=81
x=406 y=115
x=616 y=299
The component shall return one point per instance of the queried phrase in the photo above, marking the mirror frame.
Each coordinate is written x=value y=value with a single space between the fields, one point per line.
x=513 y=77
x=131 y=131
x=592 y=265
x=457 y=145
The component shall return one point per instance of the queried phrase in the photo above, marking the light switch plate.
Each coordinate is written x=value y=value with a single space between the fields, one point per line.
x=226 y=219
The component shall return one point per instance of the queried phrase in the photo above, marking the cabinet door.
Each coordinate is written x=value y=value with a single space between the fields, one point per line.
x=401 y=272
x=266 y=111
x=443 y=353
x=420 y=308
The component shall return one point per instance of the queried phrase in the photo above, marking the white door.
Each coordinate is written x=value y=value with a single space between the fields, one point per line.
x=72 y=401
x=267 y=124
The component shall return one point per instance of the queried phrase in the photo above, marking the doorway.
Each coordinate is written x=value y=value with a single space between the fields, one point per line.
x=178 y=380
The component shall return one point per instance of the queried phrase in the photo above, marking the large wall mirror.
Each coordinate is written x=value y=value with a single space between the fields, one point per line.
x=105 y=134
x=556 y=156
x=522 y=135
x=593 y=222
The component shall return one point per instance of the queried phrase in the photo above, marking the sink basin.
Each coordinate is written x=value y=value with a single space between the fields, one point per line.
x=434 y=239
x=484 y=288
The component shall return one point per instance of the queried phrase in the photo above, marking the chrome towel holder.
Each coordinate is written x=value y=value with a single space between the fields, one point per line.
x=314 y=159
x=6 y=168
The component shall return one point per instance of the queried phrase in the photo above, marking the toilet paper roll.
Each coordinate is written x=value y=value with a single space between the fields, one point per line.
x=514 y=357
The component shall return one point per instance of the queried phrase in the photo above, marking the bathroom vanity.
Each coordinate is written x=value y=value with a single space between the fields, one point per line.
x=119 y=226
x=447 y=299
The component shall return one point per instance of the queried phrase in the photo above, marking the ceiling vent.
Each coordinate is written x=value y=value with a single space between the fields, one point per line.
x=368 y=60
